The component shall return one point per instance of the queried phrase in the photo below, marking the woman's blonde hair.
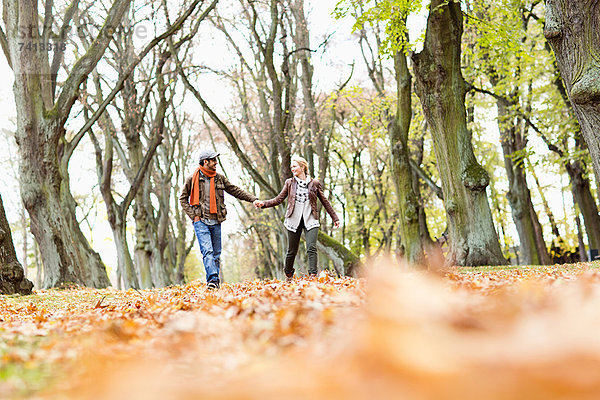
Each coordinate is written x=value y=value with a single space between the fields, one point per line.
x=301 y=162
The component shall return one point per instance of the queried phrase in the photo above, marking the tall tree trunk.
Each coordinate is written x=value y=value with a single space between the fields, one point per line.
x=532 y=249
x=316 y=136
x=132 y=127
x=581 y=245
x=441 y=88
x=12 y=277
x=124 y=261
x=582 y=194
x=25 y=240
x=38 y=266
x=402 y=175
x=66 y=253
x=413 y=233
x=161 y=254
x=423 y=228
x=573 y=31
x=43 y=147
x=115 y=213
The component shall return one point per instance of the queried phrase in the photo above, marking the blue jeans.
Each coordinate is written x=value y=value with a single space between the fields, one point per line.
x=209 y=239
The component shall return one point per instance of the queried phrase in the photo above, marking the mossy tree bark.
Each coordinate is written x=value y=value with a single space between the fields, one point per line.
x=344 y=260
x=12 y=276
x=441 y=88
x=573 y=31
x=402 y=174
x=43 y=145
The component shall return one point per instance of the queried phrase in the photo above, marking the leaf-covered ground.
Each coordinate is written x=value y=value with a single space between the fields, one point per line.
x=492 y=333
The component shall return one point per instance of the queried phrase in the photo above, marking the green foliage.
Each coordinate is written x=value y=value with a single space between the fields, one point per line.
x=361 y=162
x=391 y=13
x=193 y=268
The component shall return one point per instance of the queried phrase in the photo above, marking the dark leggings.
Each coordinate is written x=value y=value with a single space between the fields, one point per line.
x=311 y=248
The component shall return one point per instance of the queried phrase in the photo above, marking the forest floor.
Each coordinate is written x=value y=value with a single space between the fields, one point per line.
x=468 y=333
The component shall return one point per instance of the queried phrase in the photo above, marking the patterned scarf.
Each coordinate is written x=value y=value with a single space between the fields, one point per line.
x=302 y=190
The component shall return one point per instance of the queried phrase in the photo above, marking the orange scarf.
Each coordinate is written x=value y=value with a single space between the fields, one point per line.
x=195 y=196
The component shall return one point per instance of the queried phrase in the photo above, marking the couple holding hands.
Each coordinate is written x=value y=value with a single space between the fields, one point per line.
x=202 y=199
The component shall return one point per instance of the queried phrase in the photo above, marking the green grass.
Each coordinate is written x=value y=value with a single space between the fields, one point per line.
x=22 y=373
x=25 y=367
x=495 y=268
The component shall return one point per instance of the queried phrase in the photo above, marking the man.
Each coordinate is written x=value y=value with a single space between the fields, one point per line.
x=202 y=199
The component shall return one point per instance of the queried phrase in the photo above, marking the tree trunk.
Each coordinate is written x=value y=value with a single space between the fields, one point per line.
x=441 y=88
x=132 y=127
x=161 y=254
x=43 y=147
x=573 y=31
x=25 y=240
x=66 y=253
x=532 y=249
x=402 y=175
x=124 y=261
x=416 y=178
x=582 y=254
x=143 y=258
x=582 y=194
x=12 y=277
x=315 y=134
x=38 y=266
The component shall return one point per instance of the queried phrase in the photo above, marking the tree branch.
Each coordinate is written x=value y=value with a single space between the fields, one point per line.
x=48 y=20
x=223 y=127
x=484 y=91
x=427 y=179
x=228 y=134
x=157 y=128
x=88 y=61
x=5 y=48
x=139 y=177
x=59 y=53
x=169 y=32
x=520 y=113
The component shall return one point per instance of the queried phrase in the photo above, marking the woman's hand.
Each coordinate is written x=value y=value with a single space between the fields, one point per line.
x=258 y=203
x=336 y=224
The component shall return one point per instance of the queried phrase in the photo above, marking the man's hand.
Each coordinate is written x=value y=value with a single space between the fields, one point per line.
x=196 y=218
x=258 y=203
x=336 y=224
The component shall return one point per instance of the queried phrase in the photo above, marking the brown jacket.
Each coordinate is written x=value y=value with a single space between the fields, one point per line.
x=222 y=185
x=315 y=190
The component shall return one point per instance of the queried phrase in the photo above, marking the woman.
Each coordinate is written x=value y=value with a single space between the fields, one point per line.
x=302 y=213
